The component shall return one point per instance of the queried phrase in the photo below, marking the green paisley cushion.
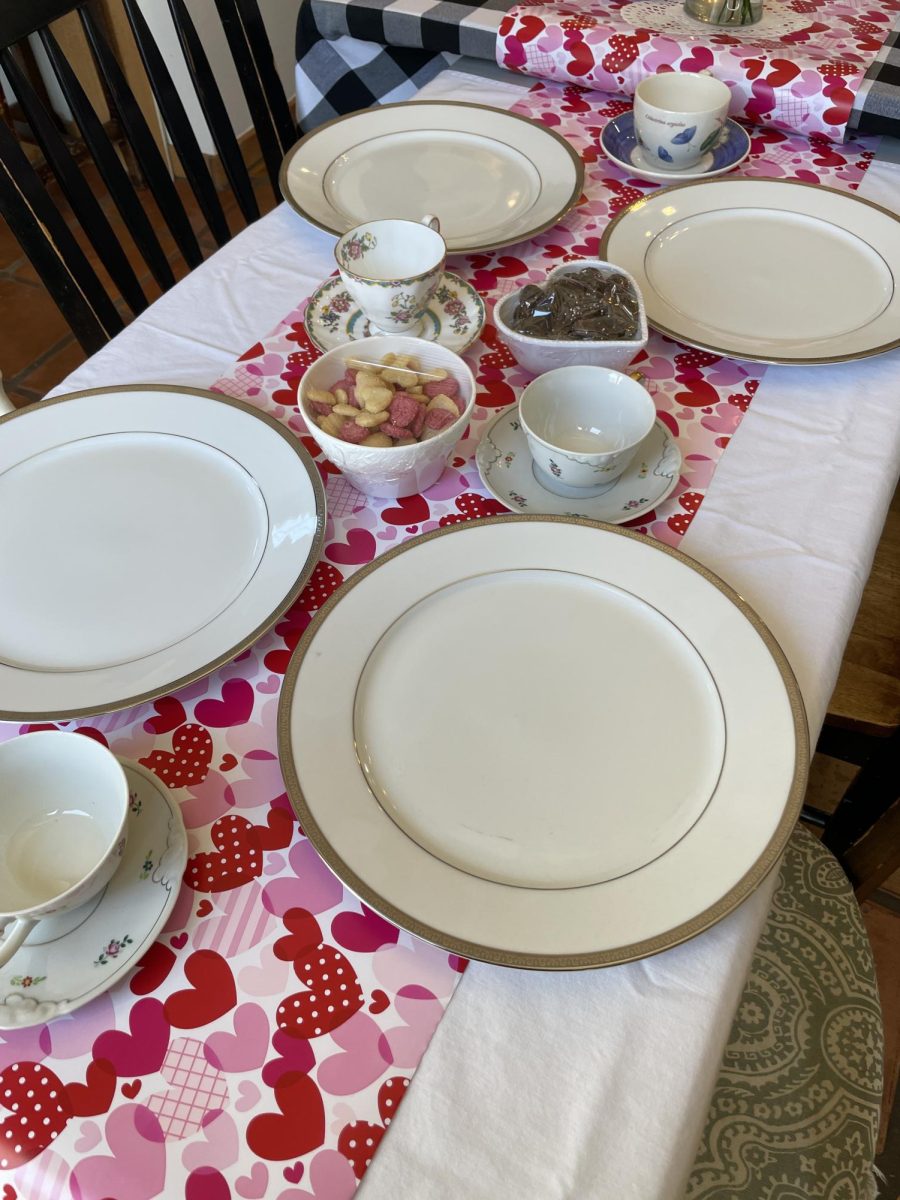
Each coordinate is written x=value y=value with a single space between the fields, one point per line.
x=795 y=1112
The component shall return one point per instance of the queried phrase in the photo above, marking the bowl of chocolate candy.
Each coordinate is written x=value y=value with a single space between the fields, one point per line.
x=587 y=313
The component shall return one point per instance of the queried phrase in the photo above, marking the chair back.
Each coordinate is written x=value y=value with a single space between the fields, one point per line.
x=62 y=255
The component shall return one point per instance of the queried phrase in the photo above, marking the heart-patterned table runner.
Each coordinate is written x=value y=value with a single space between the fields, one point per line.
x=803 y=80
x=205 y=1074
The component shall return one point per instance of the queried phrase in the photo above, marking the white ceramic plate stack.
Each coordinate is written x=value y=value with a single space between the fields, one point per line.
x=554 y=762
x=149 y=534
x=492 y=177
x=764 y=269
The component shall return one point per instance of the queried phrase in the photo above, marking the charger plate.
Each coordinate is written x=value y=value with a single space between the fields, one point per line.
x=149 y=534
x=543 y=742
x=769 y=270
x=493 y=178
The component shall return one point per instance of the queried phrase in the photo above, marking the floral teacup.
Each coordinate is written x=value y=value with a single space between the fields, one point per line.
x=63 y=814
x=678 y=117
x=583 y=426
x=392 y=269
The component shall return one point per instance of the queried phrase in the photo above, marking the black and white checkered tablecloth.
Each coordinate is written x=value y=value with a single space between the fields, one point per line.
x=355 y=53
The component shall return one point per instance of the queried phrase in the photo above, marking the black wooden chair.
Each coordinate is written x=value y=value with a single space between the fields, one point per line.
x=28 y=206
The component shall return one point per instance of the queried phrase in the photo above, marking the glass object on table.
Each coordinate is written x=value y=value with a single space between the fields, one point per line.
x=725 y=12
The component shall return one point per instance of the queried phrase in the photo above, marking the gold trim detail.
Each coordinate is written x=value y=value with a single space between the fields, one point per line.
x=296 y=588
x=678 y=336
x=766 y=861
x=408 y=104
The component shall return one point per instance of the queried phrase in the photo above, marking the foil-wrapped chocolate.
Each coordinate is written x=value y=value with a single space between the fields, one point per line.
x=585 y=305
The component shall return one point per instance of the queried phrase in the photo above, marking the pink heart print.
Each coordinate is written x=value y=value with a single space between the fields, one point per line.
x=246 y=1049
x=136 y=1168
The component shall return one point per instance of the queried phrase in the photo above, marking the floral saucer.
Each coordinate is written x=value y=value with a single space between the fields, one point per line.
x=68 y=960
x=621 y=146
x=508 y=472
x=455 y=316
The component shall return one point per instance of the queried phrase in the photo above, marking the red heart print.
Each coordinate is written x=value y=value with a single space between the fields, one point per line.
x=324 y=580
x=693 y=358
x=228 y=763
x=238 y=858
x=9 y=1192
x=530 y=27
x=234 y=708
x=95 y=1095
x=189 y=761
x=471 y=507
x=293 y=1174
x=410 y=510
x=380 y=1001
x=297 y=1128
x=680 y=522
x=179 y=941
x=358 y=1143
x=623 y=50
x=333 y=994
x=295 y=1055
x=359 y=548
x=690 y=501
x=700 y=394
x=212 y=992
x=303 y=932
x=782 y=73
x=390 y=1094
x=256 y=351
x=27 y=1131
x=204 y=908
x=278 y=830
x=169 y=715
x=364 y=931
x=153 y=969
x=131 y=1089
x=141 y=1051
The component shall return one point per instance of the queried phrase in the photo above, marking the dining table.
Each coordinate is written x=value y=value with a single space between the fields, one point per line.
x=518 y=1083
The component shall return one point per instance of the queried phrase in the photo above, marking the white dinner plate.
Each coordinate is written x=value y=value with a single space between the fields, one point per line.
x=148 y=534
x=492 y=178
x=764 y=269
x=543 y=742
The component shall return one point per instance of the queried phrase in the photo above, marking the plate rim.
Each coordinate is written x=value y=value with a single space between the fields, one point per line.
x=679 y=177
x=766 y=861
x=284 y=603
x=774 y=360
x=577 y=162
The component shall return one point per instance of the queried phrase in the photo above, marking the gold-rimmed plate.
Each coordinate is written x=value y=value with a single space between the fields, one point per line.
x=768 y=270
x=492 y=178
x=537 y=741
x=150 y=533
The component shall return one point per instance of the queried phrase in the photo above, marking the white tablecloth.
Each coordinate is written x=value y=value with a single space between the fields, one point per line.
x=595 y=1084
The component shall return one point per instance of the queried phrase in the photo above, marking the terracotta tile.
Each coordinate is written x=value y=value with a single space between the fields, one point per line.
x=30 y=325
x=54 y=368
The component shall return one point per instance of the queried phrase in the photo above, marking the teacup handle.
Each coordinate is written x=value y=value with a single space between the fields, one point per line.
x=21 y=928
x=431 y=222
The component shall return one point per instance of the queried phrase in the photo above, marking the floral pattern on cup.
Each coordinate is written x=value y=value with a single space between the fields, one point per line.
x=357 y=246
x=334 y=309
x=454 y=308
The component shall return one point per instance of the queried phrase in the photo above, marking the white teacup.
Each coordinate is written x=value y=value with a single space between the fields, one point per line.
x=583 y=426
x=63 y=813
x=392 y=269
x=678 y=117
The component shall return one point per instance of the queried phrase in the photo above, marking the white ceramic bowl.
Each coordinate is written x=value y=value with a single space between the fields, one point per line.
x=390 y=471
x=547 y=354
x=583 y=426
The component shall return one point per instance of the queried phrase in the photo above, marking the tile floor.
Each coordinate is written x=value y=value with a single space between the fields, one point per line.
x=37 y=352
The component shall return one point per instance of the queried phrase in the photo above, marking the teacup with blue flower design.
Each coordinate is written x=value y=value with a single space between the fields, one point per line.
x=678 y=116
x=392 y=268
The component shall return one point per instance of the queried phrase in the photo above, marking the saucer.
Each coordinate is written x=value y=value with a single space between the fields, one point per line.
x=509 y=474
x=455 y=316
x=620 y=145
x=68 y=960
